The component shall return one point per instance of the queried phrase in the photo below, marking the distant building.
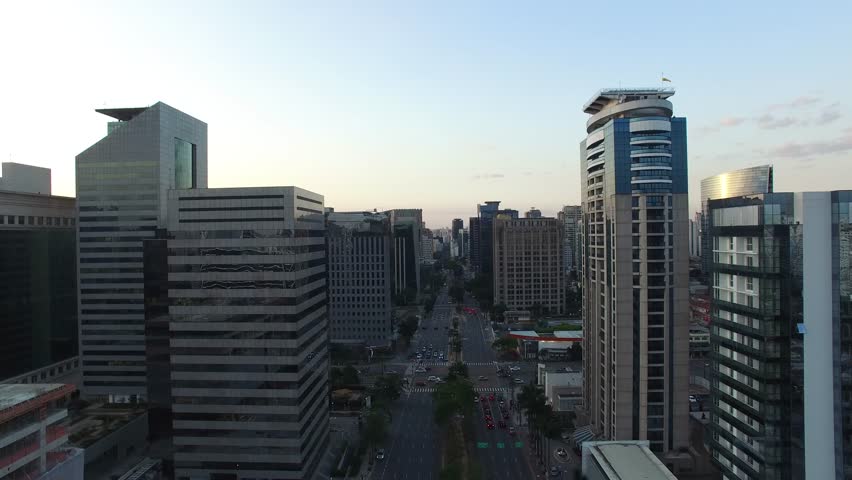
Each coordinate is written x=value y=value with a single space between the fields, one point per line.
x=458 y=234
x=527 y=264
x=38 y=298
x=34 y=433
x=407 y=227
x=622 y=460
x=360 y=278
x=482 y=239
x=427 y=247
x=745 y=181
x=694 y=237
x=532 y=213
x=781 y=272
x=122 y=185
x=473 y=244
x=633 y=168
x=249 y=332
x=571 y=216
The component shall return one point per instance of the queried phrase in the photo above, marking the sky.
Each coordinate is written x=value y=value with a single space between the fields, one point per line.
x=437 y=105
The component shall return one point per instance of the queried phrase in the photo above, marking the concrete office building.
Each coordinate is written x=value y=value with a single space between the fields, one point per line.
x=249 y=332
x=38 y=298
x=122 y=185
x=780 y=335
x=745 y=181
x=483 y=238
x=571 y=216
x=528 y=272
x=34 y=434
x=532 y=213
x=359 y=278
x=635 y=268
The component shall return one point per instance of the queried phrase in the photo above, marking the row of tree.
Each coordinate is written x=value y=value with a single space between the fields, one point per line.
x=544 y=424
x=453 y=409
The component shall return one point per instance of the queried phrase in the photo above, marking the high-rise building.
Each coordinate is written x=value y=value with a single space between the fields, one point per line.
x=359 y=278
x=635 y=268
x=427 y=247
x=528 y=272
x=781 y=369
x=473 y=243
x=486 y=214
x=122 y=185
x=532 y=213
x=38 y=298
x=248 y=327
x=458 y=224
x=571 y=216
x=457 y=230
x=407 y=227
x=745 y=181
x=695 y=236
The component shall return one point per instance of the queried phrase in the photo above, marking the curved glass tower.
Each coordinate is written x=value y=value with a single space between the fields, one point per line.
x=635 y=259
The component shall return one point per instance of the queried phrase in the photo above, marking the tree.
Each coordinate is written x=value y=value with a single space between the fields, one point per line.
x=408 y=327
x=376 y=428
x=457 y=369
x=453 y=398
x=497 y=312
x=505 y=344
x=387 y=388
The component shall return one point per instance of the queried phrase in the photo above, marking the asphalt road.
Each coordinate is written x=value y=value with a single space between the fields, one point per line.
x=413 y=449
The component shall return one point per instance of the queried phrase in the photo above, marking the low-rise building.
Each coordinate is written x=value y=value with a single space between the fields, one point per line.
x=622 y=460
x=563 y=388
x=33 y=432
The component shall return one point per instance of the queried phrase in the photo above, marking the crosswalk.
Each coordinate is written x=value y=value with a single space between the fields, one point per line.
x=480 y=364
x=444 y=363
x=503 y=390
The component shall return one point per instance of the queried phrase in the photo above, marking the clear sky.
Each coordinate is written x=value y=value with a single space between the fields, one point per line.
x=436 y=105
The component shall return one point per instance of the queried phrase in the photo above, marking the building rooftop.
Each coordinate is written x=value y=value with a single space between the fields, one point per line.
x=606 y=95
x=12 y=395
x=122 y=114
x=627 y=461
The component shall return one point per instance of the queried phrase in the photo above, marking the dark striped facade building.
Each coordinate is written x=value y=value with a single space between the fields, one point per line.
x=248 y=332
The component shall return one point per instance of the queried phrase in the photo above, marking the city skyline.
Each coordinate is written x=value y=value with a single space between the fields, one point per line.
x=378 y=94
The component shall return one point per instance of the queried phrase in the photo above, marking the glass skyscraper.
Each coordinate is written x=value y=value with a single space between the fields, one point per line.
x=122 y=186
x=635 y=268
x=781 y=335
x=745 y=181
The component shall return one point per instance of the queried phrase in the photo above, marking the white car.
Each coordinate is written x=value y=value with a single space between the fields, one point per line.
x=420 y=370
x=561 y=452
x=432 y=378
x=381 y=454
x=518 y=381
x=514 y=368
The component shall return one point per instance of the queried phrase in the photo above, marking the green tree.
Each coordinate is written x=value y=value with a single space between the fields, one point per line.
x=408 y=327
x=387 y=388
x=505 y=344
x=453 y=398
x=376 y=428
x=457 y=369
x=497 y=312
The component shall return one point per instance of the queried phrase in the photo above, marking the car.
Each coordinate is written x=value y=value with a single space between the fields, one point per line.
x=512 y=431
x=380 y=455
x=518 y=380
x=419 y=356
x=419 y=370
x=491 y=397
x=428 y=368
x=488 y=418
x=502 y=403
x=490 y=426
x=439 y=380
x=482 y=398
x=501 y=424
x=475 y=399
x=482 y=378
x=432 y=378
x=514 y=368
x=554 y=472
x=391 y=372
x=561 y=452
x=565 y=435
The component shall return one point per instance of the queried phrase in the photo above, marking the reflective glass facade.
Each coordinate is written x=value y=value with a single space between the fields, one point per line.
x=745 y=181
x=122 y=183
x=780 y=335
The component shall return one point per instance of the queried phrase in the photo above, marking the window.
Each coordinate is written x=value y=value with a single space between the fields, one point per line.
x=749 y=284
x=750 y=244
x=731 y=243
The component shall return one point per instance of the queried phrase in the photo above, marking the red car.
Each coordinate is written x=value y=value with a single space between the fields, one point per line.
x=488 y=418
x=482 y=398
x=490 y=426
x=491 y=397
x=501 y=424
